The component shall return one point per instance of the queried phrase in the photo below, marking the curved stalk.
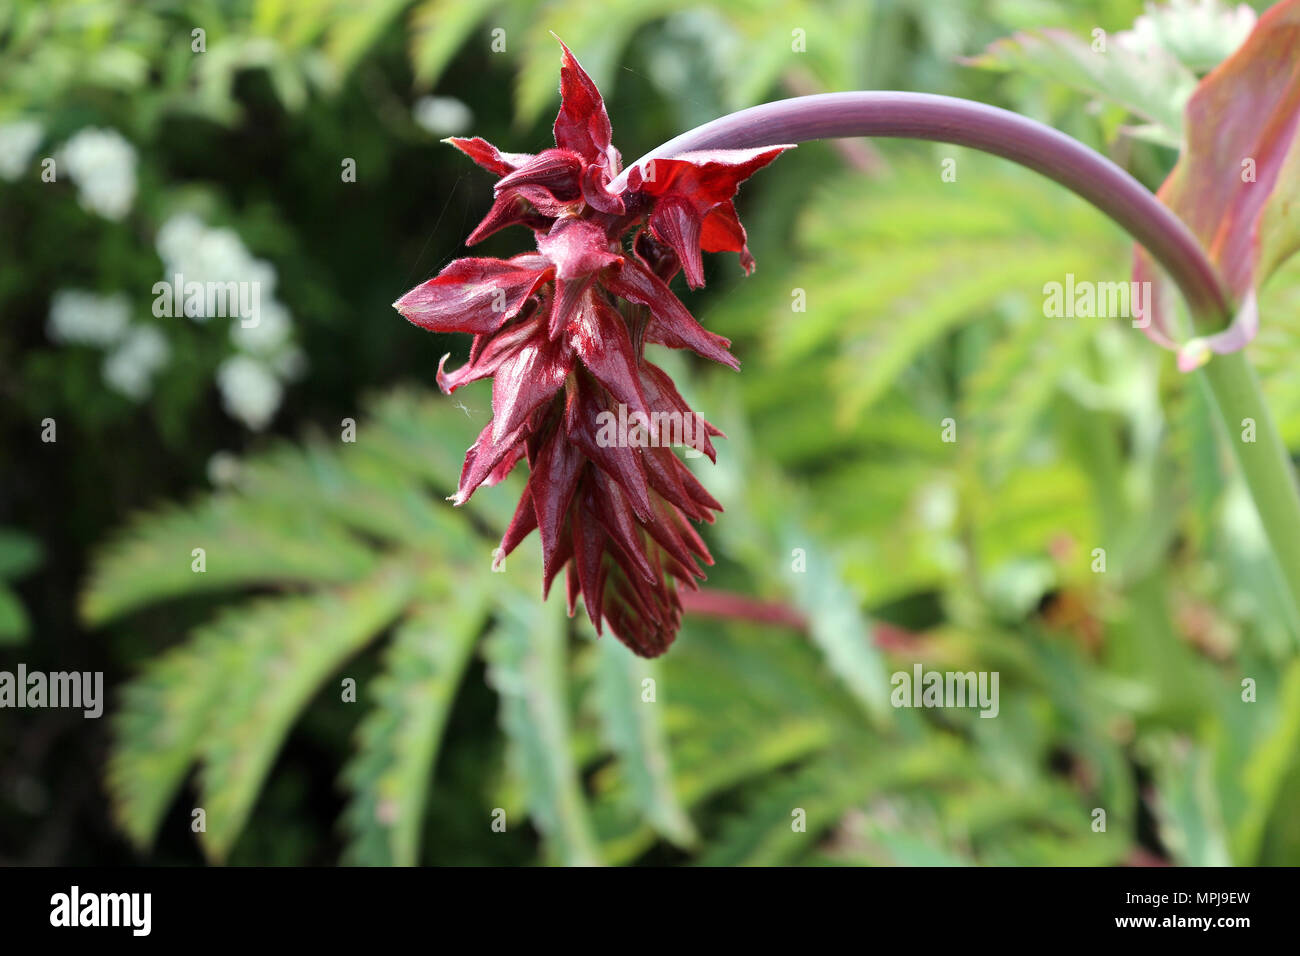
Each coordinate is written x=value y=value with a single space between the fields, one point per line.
x=947 y=119
x=1265 y=464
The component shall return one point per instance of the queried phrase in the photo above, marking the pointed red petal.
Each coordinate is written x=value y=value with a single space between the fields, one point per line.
x=666 y=533
x=670 y=324
x=555 y=170
x=600 y=339
x=506 y=465
x=616 y=518
x=588 y=555
x=509 y=209
x=665 y=478
x=527 y=379
x=483 y=456
x=582 y=124
x=488 y=354
x=577 y=247
x=662 y=395
x=488 y=156
x=552 y=483
x=570 y=295
x=722 y=232
x=563 y=555
x=521 y=525
x=676 y=223
x=699 y=494
x=705 y=177
x=474 y=295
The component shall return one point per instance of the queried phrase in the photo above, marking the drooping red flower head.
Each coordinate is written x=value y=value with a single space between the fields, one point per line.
x=562 y=333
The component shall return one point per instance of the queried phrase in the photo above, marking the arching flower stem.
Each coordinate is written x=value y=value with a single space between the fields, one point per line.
x=948 y=119
x=1230 y=379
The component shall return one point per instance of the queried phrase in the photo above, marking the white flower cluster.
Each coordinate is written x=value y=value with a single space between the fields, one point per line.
x=199 y=253
x=84 y=318
x=251 y=382
x=250 y=390
x=18 y=142
x=136 y=351
x=442 y=115
x=1197 y=33
x=102 y=164
x=131 y=366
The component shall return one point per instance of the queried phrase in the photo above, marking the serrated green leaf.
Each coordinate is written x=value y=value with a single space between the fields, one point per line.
x=277 y=661
x=398 y=742
x=159 y=723
x=836 y=624
x=525 y=656
x=633 y=728
x=244 y=542
x=788 y=819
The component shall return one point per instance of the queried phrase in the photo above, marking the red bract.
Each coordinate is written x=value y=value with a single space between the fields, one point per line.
x=562 y=334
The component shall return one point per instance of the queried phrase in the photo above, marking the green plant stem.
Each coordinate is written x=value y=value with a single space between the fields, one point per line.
x=1265 y=463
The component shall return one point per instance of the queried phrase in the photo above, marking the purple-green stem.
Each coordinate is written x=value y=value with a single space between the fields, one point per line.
x=713 y=602
x=1230 y=379
x=947 y=119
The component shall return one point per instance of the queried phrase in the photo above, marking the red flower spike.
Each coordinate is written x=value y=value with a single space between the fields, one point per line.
x=561 y=333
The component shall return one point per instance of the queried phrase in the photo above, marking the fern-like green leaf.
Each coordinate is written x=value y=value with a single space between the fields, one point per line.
x=279 y=657
x=245 y=543
x=526 y=665
x=633 y=727
x=786 y=821
x=159 y=724
x=398 y=742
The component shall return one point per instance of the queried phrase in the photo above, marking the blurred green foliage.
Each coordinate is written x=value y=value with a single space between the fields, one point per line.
x=329 y=561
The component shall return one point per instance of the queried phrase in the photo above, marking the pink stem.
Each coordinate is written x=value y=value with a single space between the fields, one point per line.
x=727 y=605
